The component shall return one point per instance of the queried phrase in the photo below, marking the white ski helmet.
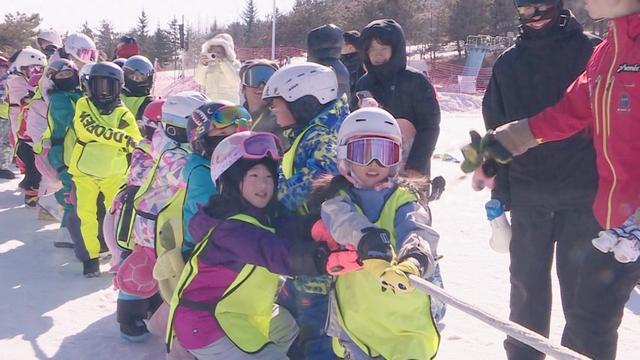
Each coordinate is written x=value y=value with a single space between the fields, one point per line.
x=29 y=57
x=295 y=81
x=51 y=36
x=236 y=146
x=176 y=111
x=81 y=48
x=366 y=122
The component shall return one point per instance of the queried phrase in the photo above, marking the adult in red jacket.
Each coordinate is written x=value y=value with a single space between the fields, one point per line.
x=606 y=100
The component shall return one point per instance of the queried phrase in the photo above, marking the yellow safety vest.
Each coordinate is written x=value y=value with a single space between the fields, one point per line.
x=134 y=104
x=394 y=326
x=101 y=141
x=244 y=311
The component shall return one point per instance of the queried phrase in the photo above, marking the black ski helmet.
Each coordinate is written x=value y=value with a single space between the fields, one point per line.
x=104 y=85
x=138 y=75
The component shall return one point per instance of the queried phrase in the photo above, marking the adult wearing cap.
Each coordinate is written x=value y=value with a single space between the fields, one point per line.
x=324 y=45
x=351 y=57
x=254 y=74
x=550 y=189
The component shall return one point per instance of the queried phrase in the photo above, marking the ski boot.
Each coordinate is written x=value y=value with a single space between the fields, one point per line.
x=31 y=197
x=7 y=174
x=91 y=268
x=63 y=239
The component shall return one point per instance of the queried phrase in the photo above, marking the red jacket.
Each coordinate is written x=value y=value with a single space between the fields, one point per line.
x=606 y=98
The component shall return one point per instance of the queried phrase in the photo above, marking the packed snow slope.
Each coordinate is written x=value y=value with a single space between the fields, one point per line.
x=50 y=311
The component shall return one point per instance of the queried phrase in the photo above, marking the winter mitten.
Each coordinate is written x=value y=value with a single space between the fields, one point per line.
x=320 y=232
x=343 y=262
x=344 y=221
x=606 y=240
x=396 y=277
x=627 y=250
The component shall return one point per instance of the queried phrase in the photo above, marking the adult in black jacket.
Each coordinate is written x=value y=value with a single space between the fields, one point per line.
x=550 y=188
x=324 y=45
x=401 y=90
x=351 y=57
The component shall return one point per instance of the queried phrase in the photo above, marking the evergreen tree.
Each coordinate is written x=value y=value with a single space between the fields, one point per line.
x=86 y=29
x=17 y=31
x=142 y=32
x=106 y=39
x=174 y=38
x=249 y=18
x=160 y=47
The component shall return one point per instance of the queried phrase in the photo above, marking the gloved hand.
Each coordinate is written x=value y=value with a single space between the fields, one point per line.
x=396 y=277
x=342 y=259
x=320 y=232
x=375 y=243
x=623 y=241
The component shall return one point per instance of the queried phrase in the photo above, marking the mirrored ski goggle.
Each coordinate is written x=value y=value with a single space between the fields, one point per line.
x=86 y=55
x=231 y=115
x=258 y=145
x=530 y=11
x=256 y=75
x=136 y=76
x=364 y=150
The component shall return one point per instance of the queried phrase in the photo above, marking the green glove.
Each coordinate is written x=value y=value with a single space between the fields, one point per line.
x=472 y=153
x=375 y=266
x=396 y=277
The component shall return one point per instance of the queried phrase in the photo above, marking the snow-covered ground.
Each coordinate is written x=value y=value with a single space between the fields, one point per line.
x=50 y=311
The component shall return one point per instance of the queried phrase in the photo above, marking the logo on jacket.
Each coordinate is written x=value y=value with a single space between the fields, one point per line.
x=624 y=105
x=628 y=68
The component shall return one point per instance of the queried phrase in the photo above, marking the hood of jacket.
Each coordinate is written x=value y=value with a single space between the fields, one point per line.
x=389 y=31
x=224 y=40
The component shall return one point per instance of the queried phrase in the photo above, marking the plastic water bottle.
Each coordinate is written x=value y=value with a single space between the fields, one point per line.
x=500 y=227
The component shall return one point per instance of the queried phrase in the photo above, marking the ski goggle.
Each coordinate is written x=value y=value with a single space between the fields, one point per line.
x=258 y=145
x=86 y=55
x=530 y=11
x=364 y=150
x=104 y=88
x=231 y=115
x=256 y=75
x=136 y=76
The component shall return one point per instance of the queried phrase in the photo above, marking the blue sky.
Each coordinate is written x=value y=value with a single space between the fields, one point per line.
x=68 y=15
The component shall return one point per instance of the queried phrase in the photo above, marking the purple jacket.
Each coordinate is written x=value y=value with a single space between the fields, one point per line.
x=232 y=245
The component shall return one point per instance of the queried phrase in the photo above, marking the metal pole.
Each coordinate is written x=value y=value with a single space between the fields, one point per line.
x=273 y=32
x=514 y=330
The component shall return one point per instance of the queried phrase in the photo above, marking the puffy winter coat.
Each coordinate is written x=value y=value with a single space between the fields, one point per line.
x=220 y=78
x=606 y=100
x=526 y=78
x=403 y=91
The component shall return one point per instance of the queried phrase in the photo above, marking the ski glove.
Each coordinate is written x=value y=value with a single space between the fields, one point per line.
x=623 y=241
x=375 y=243
x=396 y=277
x=502 y=145
x=342 y=259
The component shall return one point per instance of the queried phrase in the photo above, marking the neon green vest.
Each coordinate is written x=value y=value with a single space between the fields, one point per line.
x=134 y=103
x=244 y=311
x=394 y=326
x=4 y=110
x=104 y=157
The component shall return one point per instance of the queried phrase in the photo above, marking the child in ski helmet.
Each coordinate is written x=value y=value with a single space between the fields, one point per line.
x=138 y=80
x=156 y=201
x=305 y=100
x=106 y=133
x=207 y=127
x=368 y=209
x=224 y=303
x=63 y=97
x=80 y=49
x=48 y=41
x=28 y=65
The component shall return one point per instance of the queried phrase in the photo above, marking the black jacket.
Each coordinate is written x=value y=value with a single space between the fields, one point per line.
x=403 y=91
x=353 y=63
x=324 y=44
x=527 y=78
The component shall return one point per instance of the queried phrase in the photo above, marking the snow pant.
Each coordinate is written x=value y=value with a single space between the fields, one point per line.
x=307 y=299
x=32 y=176
x=88 y=191
x=282 y=332
x=535 y=232
x=603 y=288
x=6 y=150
